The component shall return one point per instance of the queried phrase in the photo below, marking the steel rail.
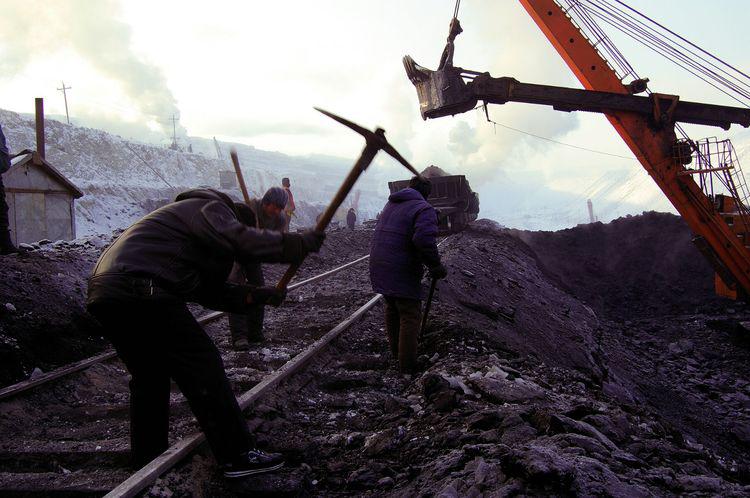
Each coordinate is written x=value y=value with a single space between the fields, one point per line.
x=25 y=385
x=151 y=472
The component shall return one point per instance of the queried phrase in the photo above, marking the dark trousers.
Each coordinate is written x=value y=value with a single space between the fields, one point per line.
x=250 y=324
x=4 y=222
x=163 y=341
x=402 y=321
x=6 y=245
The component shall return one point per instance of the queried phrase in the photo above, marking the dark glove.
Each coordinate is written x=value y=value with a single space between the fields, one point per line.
x=438 y=272
x=312 y=240
x=267 y=295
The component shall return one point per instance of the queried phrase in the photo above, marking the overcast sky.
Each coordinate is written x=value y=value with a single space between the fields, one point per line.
x=252 y=71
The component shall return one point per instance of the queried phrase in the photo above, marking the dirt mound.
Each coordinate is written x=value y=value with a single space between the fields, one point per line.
x=635 y=266
x=524 y=391
x=496 y=285
x=43 y=322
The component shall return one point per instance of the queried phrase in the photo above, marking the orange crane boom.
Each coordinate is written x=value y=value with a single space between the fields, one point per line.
x=646 y=124
x=654 y=149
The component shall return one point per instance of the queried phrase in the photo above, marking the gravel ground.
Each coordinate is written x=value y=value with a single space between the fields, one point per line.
x=593 y=361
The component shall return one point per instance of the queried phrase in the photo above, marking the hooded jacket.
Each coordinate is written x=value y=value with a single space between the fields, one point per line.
x=183 y=251
x=404 y=241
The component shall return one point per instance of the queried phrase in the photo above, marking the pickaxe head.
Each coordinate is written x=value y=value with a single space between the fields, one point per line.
x=376 y=139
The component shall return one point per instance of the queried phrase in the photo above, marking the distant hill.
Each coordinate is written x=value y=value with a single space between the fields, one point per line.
x=122 y=180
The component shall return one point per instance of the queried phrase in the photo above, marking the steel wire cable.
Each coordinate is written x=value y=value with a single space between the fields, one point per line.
x=673 y=45
x=668 y=48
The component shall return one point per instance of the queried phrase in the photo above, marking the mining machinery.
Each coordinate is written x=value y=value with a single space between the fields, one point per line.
x=647 y=124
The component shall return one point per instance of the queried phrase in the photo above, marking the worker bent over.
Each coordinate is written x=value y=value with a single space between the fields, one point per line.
x=404 y=242
x=183 y=252
x=258 y=213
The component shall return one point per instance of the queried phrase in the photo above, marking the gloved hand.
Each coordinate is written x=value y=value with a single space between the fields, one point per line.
x=266 y=295
x=438 y=272
x=312 y=240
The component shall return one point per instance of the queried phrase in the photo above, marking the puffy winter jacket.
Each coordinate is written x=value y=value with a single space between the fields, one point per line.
x=404 y=241
x=184 y=250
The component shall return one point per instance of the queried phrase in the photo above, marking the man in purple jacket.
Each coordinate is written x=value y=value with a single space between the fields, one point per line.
x=404 y=242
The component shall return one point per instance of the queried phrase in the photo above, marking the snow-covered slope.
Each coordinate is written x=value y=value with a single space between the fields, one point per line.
x=122 y=180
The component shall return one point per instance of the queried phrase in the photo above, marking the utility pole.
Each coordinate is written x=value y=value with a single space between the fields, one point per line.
x=218 y=149
x=174 y=120
x=65 y=97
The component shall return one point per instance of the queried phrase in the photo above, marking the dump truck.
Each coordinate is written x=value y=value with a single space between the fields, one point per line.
x=457 y=205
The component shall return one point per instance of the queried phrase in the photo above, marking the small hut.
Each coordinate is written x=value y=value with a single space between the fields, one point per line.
x=40 y=200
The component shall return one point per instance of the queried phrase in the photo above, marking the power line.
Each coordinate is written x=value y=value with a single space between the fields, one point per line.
x=558 y=142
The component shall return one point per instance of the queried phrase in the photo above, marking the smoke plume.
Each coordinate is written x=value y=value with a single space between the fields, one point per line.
x=93 y=30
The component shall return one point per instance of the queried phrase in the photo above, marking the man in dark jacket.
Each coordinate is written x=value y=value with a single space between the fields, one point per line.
x=183 y=252
x=6 y=245
x=266 y=213
x=404 y=241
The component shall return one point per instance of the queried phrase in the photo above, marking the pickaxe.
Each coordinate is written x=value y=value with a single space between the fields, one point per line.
x=427 y=306
x=374 y=141
x=238 y=172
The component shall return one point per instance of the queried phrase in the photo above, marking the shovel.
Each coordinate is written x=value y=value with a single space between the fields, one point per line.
x=427 y=309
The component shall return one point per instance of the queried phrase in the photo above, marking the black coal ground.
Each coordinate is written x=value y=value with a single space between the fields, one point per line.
x=547 y=370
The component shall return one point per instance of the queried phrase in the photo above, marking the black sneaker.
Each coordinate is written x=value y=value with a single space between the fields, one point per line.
x=253 y=462
x=241 y=344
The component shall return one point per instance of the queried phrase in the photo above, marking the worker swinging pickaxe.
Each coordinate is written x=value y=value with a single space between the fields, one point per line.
x=375 y=141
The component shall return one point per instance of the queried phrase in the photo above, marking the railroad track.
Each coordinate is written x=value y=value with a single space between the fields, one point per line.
x=75 y=441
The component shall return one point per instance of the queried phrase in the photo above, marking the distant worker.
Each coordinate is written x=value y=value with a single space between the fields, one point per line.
x=138 y=290
x=6 y=244
x=404 y=241
x=290 y=206
x=265 y=213
x=351 y=218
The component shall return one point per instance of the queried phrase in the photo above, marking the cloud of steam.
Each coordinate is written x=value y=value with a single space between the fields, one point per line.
x=30 y=28
x=500 y=38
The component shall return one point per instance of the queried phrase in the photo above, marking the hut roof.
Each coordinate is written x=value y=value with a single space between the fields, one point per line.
x=37 y=160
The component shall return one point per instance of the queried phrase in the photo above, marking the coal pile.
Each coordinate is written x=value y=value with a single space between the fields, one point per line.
x=638 y=265
x=539 y=376
x=43 y=322
x=524 y=390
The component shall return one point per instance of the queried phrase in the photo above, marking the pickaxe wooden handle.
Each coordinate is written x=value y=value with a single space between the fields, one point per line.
x=375 y=141
x=240 y=178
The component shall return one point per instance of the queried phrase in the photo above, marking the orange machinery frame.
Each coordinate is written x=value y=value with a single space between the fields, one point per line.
x=653 y=148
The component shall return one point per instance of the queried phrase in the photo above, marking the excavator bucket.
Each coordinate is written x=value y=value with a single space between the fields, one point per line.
x=442 y=92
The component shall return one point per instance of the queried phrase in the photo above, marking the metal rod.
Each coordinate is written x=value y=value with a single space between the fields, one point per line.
x=240 y=178
x=326 y=274
x=697 y=171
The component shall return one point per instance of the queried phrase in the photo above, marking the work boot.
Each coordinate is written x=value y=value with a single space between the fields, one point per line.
x=241 y=344
x=251 y=463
